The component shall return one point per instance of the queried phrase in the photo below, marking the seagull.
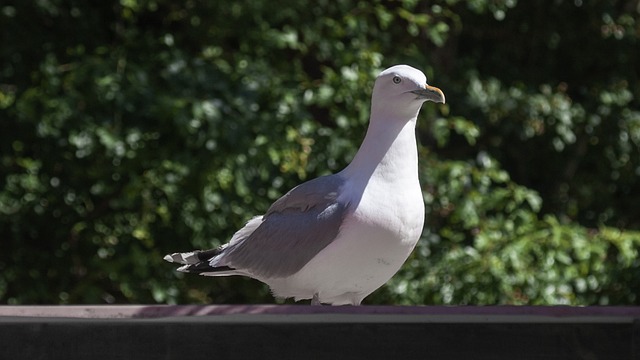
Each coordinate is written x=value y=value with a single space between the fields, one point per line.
x=337 y=238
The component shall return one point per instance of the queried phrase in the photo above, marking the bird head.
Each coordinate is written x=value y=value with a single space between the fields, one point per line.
x=402 y=88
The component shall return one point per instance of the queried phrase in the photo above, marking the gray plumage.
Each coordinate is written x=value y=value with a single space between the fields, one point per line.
x=295 y=229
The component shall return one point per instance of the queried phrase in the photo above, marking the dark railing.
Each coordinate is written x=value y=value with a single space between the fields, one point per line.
x=311 y=332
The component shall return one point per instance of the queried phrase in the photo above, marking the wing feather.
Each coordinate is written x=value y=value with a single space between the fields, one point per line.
x=295 y=229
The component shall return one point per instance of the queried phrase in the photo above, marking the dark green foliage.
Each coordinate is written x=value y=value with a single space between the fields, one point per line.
x=133 y=128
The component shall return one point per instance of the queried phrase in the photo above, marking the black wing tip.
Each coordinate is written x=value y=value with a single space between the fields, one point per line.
x=205 y=255
x=193 y=257
x=204 y=267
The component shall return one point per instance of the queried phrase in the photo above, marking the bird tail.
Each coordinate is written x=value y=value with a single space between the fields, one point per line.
x=199 y=262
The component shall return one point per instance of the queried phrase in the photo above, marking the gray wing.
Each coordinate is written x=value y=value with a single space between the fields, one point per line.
x=295 y=228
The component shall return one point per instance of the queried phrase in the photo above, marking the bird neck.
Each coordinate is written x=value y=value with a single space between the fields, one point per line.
x=388 y=151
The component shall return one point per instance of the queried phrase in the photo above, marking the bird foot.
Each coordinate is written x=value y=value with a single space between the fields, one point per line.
x=315 y=301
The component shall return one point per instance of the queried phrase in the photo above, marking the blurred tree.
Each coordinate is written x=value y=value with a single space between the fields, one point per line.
x=133 y=128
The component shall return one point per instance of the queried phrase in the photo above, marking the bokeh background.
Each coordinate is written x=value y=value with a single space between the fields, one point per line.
x=134 y=128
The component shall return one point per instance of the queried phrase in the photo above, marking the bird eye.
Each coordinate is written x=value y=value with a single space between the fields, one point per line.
x=397 y=80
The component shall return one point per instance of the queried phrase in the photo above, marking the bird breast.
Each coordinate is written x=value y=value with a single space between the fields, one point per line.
x=395 y=210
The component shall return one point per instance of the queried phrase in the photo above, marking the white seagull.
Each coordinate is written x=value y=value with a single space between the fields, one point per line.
x=337 y=238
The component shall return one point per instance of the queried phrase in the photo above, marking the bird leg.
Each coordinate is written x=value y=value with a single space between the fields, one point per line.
x=316 y=300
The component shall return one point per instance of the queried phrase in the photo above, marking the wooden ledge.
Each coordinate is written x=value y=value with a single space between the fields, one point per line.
x=299 y=331
x=440 y=314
